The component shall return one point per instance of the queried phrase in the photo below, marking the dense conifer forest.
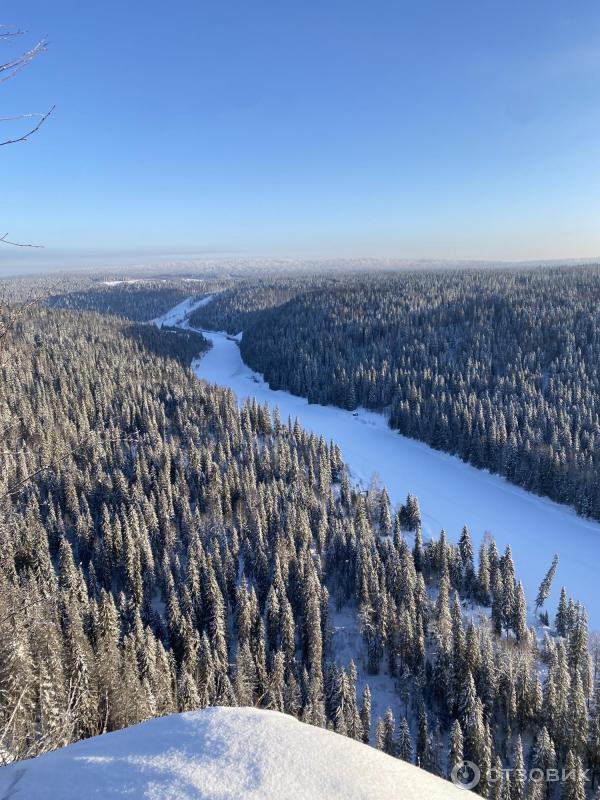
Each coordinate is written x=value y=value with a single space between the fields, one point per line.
x=499 y=367
x=138 y=302
x=162 y=549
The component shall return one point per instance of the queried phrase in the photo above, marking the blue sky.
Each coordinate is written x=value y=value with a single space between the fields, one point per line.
x=459 y=130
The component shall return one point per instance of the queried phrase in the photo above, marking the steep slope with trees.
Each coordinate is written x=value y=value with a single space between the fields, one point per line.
x=163 y=550
x=498 y=367
x=137 y=301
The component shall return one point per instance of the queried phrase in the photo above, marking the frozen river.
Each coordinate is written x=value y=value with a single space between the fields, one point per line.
x=451 y=494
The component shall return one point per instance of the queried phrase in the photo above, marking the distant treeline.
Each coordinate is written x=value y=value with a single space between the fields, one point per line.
x=138 y=302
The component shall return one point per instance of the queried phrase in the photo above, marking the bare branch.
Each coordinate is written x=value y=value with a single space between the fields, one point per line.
x=4 y=35
x=15 y=65
x=8 y=70
x=15 y=612
x=4 y=240
x=9 y=32
x=17 y=313
x=20 y=116
x=15 y=489
x=26 y=136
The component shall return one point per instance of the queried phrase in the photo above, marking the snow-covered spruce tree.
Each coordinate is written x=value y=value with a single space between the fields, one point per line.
x=365 y=714
x=573 y=785
x=546 y=584
x=192 y=554
x=405 y=745
x=455 y=747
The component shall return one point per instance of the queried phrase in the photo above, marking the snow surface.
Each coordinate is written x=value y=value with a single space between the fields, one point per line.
x=451 y=493
x=180 y=313
x=348 y=645
x=221 y=754
x=132 y=280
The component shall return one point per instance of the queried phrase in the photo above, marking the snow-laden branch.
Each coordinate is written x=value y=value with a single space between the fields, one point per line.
x=10 y=68
x=4 y=240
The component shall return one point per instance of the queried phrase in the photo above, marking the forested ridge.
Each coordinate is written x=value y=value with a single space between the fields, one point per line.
x=238 y=307
x=498 y=367
x=138 y=301
x=163 y=550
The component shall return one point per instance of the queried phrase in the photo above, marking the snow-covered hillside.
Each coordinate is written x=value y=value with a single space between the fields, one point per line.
x=451 y=493
x=221 y=754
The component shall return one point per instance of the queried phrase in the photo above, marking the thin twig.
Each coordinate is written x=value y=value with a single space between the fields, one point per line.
x=9 y=35
x=130 y=438
x=15 y=316
x=26 y=136
x=8 y=32
x=18 y=117
x=25 y=607
x=17 y=64
x=4 y=240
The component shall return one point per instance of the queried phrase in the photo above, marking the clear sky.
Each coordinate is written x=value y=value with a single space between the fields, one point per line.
x=460 y=130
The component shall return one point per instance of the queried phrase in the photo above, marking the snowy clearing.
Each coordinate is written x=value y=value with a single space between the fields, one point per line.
x=222 y=754
x=180 y=313
x=451 y=493
x=132 y=280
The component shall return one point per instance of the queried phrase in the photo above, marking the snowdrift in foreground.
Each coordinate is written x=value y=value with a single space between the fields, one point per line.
x=221 y=754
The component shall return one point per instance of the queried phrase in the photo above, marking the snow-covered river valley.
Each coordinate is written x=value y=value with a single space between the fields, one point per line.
x=451 y=494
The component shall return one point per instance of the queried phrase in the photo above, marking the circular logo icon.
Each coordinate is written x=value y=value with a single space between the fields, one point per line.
x=466 y=775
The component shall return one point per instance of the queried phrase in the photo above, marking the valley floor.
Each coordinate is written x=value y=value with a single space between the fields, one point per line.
x=451 y=493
